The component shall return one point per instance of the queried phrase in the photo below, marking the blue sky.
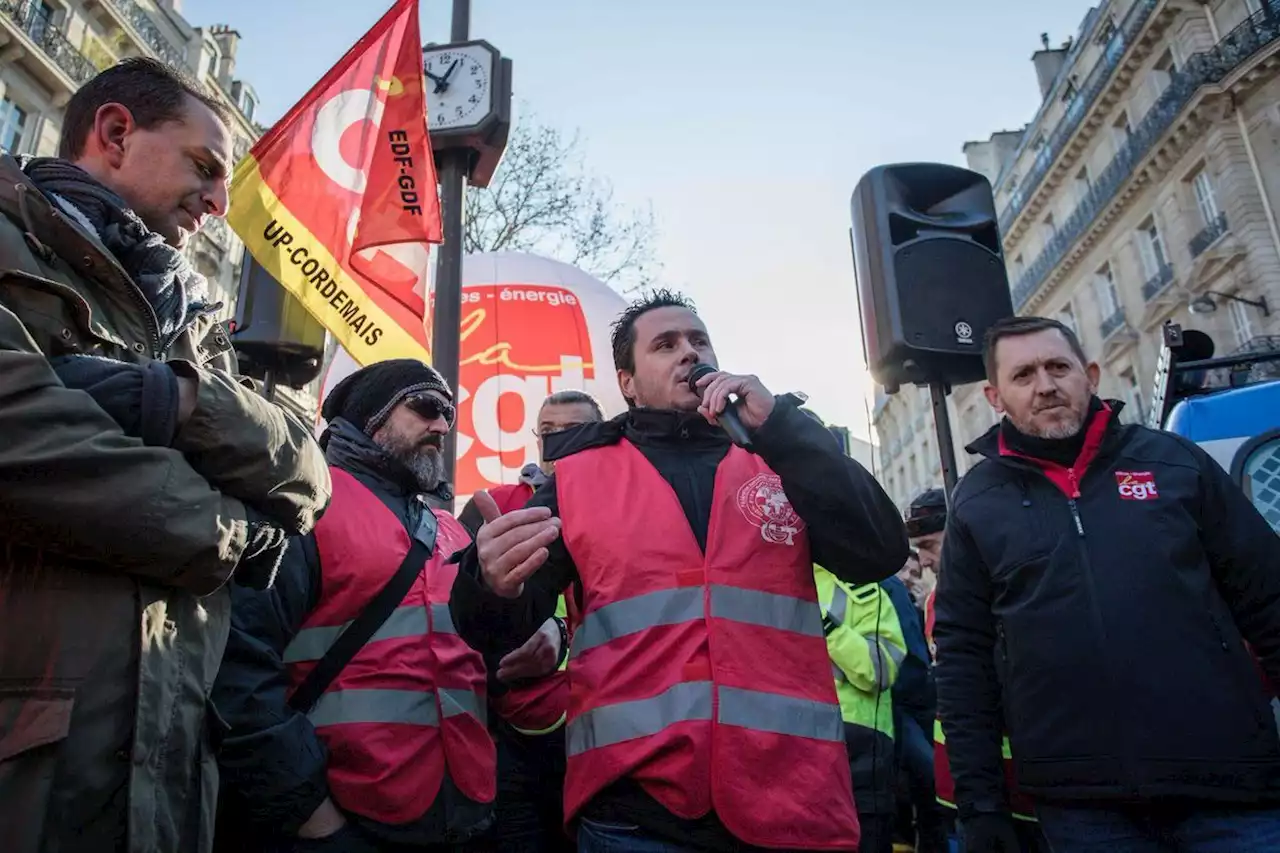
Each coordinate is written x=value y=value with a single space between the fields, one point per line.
x=745 y=123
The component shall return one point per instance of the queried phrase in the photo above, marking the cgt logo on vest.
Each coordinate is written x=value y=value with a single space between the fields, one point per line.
x=1136 y=485
x=764 y=504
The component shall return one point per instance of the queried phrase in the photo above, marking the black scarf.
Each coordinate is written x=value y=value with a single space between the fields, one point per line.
x=167 y=280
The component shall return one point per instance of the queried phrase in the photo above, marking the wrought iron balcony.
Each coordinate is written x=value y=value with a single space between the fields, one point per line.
x=1203 y=68
x=150 y=33
x=1211 y=232
x=1123 y=36
x=1158 y=282
x=1112 y=324
x=27 y=15
x=1260 y=344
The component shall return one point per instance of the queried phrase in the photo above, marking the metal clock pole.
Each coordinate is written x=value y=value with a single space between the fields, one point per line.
x=447 y=322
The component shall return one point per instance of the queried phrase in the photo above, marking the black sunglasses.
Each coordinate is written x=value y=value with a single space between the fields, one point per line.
x=430 y=407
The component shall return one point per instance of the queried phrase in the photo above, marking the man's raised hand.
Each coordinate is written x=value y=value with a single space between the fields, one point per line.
x=511 y=547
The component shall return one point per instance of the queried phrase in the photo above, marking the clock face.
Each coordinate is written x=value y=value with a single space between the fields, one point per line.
x=459 y=87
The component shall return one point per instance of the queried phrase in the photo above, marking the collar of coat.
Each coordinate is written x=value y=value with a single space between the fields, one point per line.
x=52 y=233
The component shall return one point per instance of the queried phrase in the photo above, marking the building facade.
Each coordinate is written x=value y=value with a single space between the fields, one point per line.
x=1145 y=189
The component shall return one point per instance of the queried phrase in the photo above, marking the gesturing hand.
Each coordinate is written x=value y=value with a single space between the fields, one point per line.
x=511 y=547
x=538 y=655
x=755 y=403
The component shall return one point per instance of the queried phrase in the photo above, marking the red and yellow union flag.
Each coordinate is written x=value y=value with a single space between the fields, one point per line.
x=338 y=200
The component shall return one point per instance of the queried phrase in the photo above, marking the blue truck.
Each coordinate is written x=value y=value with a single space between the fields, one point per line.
x=1229 y=405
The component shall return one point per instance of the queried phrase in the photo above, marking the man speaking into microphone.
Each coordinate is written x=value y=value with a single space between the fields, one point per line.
x=702 y=714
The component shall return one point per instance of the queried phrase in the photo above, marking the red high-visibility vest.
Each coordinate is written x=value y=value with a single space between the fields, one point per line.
x=1022 y=806
x=411 y=704
x=512 y=497
x=702 y=677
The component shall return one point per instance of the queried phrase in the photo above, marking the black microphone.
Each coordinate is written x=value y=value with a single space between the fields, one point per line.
x=728 y=419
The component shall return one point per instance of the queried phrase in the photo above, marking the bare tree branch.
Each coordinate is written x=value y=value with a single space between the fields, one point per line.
x=542 y=199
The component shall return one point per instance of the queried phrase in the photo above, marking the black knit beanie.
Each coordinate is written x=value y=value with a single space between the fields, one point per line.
x=366 y=397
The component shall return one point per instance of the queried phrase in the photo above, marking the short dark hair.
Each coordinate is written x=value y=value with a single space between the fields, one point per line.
x=153 y=92
x=1016 y=327
x=624 y=328
x=574 y=397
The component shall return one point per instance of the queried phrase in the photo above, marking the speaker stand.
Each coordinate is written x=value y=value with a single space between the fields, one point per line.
x=938 y=391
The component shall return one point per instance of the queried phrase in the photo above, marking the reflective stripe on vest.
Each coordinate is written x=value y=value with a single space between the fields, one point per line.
x=691 y=701
x=878 y=650
x=685 y=604
x=839 y=608
x=411 y=707
x=312 y=643
x=548 y=730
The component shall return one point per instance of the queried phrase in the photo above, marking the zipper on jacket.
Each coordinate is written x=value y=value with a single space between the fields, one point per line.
x=1075 y=483
x=1075 y=516
x=1217 y=629
x=150 y=320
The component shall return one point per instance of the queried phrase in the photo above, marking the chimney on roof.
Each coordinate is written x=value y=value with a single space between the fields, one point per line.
x=1049 y=62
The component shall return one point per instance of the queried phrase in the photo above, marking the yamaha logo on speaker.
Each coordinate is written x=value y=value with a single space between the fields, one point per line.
x=964 y=333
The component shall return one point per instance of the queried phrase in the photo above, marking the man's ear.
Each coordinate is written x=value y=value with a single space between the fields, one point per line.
x=626 y=384
x=1094 y=373
x=993 y=397
x=112 y=124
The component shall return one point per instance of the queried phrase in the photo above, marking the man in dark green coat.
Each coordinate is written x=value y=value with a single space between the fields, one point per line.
x=138 y=476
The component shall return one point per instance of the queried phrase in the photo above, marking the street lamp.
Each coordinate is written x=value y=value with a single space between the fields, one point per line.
x=1205 y=304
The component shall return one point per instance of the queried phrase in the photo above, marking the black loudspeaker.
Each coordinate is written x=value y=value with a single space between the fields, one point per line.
x=275 y=338
x=931 y=276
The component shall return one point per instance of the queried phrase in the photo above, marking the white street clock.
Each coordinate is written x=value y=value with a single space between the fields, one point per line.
x=459 y=86
x=469 y=103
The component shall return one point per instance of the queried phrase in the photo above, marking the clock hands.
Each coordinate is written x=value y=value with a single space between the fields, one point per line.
x=442 y=83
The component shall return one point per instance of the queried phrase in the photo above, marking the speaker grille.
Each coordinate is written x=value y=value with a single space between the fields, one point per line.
x=947 y=286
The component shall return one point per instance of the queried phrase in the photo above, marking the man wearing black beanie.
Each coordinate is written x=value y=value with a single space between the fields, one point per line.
x=389 y=750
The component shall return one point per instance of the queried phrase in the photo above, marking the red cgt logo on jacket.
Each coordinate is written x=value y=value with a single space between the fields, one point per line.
x=1136 y=485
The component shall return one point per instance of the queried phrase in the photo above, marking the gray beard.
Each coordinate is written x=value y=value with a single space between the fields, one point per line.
x=425 y=463
x=427 y=467
x=1057 y=432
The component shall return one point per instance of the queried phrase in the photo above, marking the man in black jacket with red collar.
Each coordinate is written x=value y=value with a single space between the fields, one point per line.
x=1099 y=584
